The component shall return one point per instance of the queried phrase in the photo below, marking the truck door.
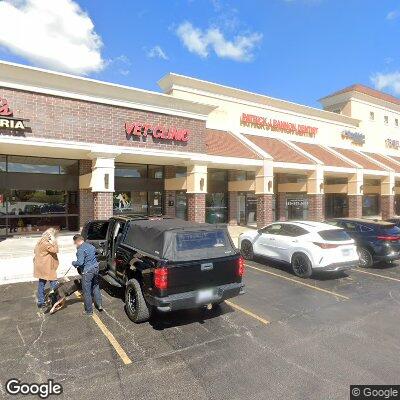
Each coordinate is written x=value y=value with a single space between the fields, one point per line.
x=95 y=232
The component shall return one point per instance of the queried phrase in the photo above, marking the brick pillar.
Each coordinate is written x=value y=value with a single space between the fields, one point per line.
x=264 y=210
x=102 y=205
x=281 y=203
x=316 y=207
x=233 y=208
x=196 y=207
x=355 y=206
x=387 y=206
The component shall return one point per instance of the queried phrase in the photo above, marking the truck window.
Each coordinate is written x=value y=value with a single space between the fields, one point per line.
x=200 y=240
x=97 y=230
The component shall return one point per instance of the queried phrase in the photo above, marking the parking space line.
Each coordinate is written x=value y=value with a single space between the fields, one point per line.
x=120 y=351
x=247 y=312
x=380 y=276
x=299 y=282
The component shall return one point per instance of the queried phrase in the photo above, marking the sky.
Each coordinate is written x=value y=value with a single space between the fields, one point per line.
x=297 y=50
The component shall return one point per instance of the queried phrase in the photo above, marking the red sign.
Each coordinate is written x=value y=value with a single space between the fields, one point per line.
x=158 y=132
x=4 y=108
x=254 y=121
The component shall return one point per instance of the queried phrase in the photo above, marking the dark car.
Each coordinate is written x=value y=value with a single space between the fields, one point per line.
x=166 y=264
x=377 y=241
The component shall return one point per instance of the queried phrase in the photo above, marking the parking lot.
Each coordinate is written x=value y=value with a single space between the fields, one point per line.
x=286 y=338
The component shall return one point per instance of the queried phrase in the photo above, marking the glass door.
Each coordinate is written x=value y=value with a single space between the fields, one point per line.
x=241 y=209
x=180 y=205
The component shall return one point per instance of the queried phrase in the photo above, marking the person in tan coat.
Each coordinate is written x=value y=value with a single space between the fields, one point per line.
x=45 y=264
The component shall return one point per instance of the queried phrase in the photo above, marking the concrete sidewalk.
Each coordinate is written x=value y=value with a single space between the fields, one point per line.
x=16 y=255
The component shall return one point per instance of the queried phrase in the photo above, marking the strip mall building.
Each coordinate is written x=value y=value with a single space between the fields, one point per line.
x=74 y=149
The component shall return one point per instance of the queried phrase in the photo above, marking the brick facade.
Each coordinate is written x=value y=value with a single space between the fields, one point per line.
x=102 y=205
x=387 y=206
x=355 y=206
x=196 y=207
x=316 y=207
x=264 y=210
x=233 y=208
x=61 y=118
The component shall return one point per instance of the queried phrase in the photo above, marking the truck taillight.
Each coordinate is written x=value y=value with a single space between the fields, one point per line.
x=240 y=266
x=161 y=278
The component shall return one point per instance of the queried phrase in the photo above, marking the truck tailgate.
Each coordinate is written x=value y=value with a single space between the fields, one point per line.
x=194 y=275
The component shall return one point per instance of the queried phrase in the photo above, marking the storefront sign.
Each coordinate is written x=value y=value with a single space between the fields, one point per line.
x=254 y=121
x=392 y=144
x=158 y=132
x=355 y=137
x=297 y=202
x=7 y=121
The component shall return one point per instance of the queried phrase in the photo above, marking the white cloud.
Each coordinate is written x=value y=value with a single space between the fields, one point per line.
x=393 y=15
x=200 y=42
x=157 y=52
x=51 y=34
x=390 y=81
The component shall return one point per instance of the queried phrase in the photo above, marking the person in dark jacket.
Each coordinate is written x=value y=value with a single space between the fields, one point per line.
x=88 y=266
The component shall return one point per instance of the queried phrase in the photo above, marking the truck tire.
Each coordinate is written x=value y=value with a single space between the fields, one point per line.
x=301 y=265
x=135 y=304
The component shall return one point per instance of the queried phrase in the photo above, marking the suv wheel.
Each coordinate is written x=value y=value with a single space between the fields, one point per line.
x=301 y=265
x=135 y=304
x=246 y=248
x=365 y=258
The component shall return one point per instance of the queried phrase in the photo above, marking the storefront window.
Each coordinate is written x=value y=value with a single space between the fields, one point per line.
x=371 y=206
x=139 y=203
x=180 y=172
x=155 y=203
x=243 y=175
x=336 y=205
x=291 y=178
x=3 y=164
x=156 y=172
x=130 y=170
x=335 y=181
x=180 y=205
x=216 y=208
x=40 y=165
x=296 y=206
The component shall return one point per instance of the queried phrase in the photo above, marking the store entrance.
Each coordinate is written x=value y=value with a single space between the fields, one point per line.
x=296 y=206
x=247 y=209
x=336 y=205
x=181 y=205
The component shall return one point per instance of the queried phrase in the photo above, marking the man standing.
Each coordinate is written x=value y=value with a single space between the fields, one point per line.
x=88 y=266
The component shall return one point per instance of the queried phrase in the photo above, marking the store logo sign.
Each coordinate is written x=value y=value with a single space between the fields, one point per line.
x=7 y=121
x=392 y=144
x=355 y=137
x=158 y=132
x=254 y=121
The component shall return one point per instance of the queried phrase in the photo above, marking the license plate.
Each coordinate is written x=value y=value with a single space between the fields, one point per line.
x=203 y=296
x=346 y=252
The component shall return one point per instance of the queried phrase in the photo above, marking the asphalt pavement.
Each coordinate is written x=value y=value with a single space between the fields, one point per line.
x=286 y=338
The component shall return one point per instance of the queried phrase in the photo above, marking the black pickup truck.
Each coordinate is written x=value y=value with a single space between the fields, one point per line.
x=166 y=263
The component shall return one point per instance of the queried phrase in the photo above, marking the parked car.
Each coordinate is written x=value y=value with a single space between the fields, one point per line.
x=166 y=263
x=377 y=241
x=308 y=246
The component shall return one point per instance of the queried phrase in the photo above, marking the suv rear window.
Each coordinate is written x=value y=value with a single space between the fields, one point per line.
x=200 y=240
x=334 y=235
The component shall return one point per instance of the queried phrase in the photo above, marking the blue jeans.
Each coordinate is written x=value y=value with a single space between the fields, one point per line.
x=91 y=289
x=41 y=294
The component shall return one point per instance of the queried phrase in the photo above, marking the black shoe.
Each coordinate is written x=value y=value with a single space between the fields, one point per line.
x=99 y=308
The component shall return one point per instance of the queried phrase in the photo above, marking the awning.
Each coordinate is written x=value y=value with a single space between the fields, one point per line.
x=358 y=158
x=385 y=161
x=324 y=155
x=225 y=144
x=279 y=150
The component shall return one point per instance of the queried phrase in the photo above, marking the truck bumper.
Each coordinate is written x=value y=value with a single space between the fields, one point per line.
x=187 y=300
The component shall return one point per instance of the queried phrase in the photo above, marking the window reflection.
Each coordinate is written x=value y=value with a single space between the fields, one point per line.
x=42 y=165
x=130 y=170
x=3 y=164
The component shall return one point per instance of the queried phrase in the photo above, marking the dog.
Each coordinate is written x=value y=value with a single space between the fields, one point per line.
x=59 y=295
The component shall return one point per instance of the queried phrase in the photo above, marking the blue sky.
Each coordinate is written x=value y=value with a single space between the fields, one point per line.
x=299 y=50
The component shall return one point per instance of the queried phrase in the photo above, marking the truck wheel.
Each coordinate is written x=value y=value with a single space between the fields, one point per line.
x=366 y=260
x=301 y=265
x=135 y=304
x=246 y=248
